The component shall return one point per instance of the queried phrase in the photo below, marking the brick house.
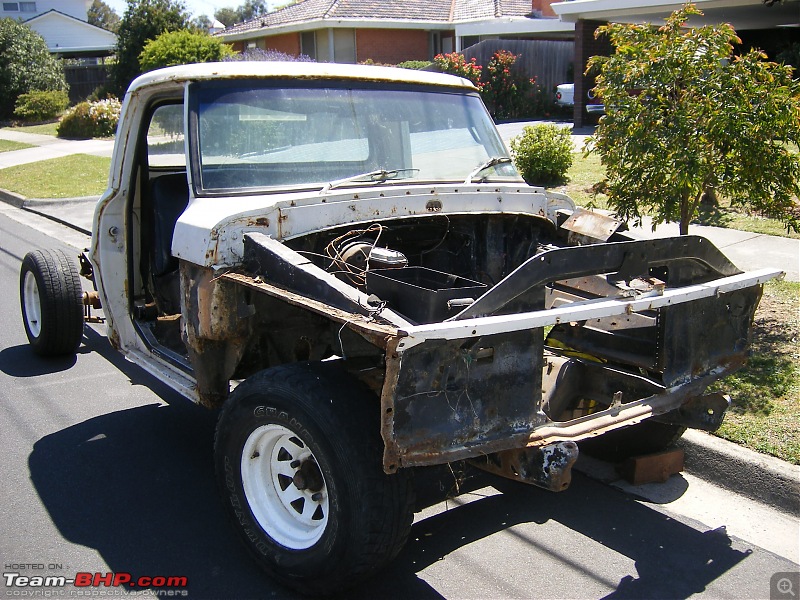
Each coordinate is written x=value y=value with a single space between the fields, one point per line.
x=392 y=31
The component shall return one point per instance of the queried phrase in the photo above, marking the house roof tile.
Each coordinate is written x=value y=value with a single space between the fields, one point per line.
x=445 y=11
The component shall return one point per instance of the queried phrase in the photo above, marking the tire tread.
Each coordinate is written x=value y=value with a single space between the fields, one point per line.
x=61 y=302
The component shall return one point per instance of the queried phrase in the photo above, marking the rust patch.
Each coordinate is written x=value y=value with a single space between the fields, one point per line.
x=376 y=333
x=391 y=452
x=548 y=467
x=433 y=206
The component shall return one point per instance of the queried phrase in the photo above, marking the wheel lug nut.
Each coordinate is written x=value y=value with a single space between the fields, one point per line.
x=295 y=463
x=317 y=497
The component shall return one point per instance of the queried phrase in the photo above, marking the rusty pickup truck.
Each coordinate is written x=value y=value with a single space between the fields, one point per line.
x=343 y=261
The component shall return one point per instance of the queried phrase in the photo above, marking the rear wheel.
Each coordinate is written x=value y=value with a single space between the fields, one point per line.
x=51 y=299
x=299 y=464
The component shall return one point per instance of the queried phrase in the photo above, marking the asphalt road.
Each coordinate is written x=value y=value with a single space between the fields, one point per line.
x=103 y=469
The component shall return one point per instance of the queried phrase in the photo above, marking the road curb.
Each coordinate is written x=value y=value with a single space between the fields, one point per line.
x=763 y=478
x=12 y=198
x=44 y=207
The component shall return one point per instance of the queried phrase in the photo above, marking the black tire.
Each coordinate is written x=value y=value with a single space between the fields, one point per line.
x=51 y=300
x=324 y=419
x=643 y=438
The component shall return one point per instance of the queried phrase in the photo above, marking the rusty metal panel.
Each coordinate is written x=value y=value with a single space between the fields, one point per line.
x=620 y=260
x=590 y=227
x=702 y=335
x=455 y=398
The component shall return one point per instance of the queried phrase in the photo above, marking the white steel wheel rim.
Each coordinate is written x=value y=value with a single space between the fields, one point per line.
x=33 y=305
x=274 y=462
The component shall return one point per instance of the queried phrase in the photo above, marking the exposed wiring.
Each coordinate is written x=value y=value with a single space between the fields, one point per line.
x=335 y=248
x=441 y=241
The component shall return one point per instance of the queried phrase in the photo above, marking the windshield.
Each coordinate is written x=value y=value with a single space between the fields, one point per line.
x=295 y=135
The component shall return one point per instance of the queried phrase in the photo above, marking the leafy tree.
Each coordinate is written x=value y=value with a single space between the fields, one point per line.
x=252 y=9
x=685 y=117
x=201 y=23
x=27 y=65
x=249 y=10
x=227 y=16
x=181 y=48
x=286 y=4
x=102 y=15
x=790 y=56
x=143 y=20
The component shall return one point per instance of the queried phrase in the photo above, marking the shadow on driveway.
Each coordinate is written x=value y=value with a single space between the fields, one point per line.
x=137 y=485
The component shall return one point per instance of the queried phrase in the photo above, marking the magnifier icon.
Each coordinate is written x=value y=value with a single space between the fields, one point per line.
x=785 y=587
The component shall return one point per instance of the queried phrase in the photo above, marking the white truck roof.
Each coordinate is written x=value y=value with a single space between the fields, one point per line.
x=295 y=70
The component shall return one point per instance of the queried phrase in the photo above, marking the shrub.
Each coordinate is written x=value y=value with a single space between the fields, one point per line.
x=455 y=64
x=371 y=63
x=26 y=65
x=416 y=65
x=40 y=106
x=91 y=119
x=273 y=55
x=101 y=92
x=543 y=153
x=181 y=48
x=502 y=90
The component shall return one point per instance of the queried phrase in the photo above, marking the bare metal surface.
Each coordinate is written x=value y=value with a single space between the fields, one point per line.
x=590 y=227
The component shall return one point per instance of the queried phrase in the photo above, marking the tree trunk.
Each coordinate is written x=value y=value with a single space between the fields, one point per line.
x=686 y=213
x=710 y=198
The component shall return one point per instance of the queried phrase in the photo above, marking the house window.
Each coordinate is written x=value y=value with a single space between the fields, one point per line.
x=320 y=43
x=19 y=6
x=308 y=45
x=344 y=46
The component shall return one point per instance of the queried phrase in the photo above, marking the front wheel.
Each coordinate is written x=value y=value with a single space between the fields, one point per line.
x=298 y=460
x=51 y=299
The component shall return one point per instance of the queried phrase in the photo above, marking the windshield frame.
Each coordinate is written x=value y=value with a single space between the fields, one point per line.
x=219 y=86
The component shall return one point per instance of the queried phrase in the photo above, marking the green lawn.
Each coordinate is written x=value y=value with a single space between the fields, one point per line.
x=8 y=146
x=66 y=177
x=43 y=128
x=765 y=410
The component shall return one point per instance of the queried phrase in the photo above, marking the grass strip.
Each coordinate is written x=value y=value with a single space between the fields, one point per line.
x=9 y=146
x=66 y=177
x=41 y=128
